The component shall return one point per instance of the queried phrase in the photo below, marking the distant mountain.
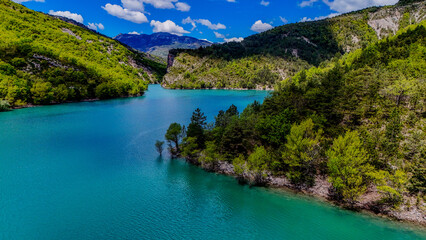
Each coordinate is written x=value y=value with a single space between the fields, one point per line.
x=159 y=44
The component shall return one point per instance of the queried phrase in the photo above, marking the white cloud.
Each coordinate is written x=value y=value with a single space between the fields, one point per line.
x=307 y=3
x=230 y=0
x=123 y=13
x=167 y=26
x=343 y=6
x=264 y=3
x=162 y=4
x=135 y=5
x=134 y=10
x=306 y=19
x=134 y=33
x=210 y=25
x=188 y=20
x=240 y=39
x=183 y=7
x=219 y=35
x=234 y=39
x=259 y=26
x=284 y=20
x=21 y=1
x=204 y=22
x=95 y=26
x=74 y=16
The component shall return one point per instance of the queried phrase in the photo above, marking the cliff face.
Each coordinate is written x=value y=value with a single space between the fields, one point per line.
x=170 y=60
x=264 y=59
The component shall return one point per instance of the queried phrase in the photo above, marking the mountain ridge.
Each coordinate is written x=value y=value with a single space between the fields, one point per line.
x=280 y=52
x=160 y=43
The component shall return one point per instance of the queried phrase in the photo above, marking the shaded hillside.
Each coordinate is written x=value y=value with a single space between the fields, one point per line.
x=289 y=47
x=46 y=60
x=159 y=44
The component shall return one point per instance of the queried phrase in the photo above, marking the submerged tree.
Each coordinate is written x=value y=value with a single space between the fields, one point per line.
x=159 y=147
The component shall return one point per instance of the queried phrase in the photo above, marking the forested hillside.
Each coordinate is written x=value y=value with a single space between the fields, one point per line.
x=358 y=119
x=45 y=60
x=264 y=59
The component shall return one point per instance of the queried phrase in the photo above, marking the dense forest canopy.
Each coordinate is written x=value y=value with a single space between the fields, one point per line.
x=45 y=60
x=358 y=119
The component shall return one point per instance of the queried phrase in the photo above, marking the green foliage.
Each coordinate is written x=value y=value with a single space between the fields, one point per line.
x=274 y=128
x=45 y=60
x=259 y=160
x=240 y=165
x=209 y=155
x=190 y=148
x=196 y=128
x=391 y=186
x=159 y=146
x=301 y=152
x=223 y=118
x=393 y=133
x=42 y=92
x=348 y=167
x=255 y=168
x=174 y=136
x=4 y=105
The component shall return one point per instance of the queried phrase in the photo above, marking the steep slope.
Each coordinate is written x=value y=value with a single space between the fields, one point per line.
x=159 y=44
x=279 y=53
x=351 y=130
x=45 y=60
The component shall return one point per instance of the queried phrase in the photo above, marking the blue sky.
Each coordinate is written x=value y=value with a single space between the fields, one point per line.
x=214 y=20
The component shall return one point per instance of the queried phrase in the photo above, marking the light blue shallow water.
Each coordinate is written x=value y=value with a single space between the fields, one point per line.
x=90 y=171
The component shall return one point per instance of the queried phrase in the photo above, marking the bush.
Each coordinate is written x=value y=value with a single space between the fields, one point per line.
x=4 y=105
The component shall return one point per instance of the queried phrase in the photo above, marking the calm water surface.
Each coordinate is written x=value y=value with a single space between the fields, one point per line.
x=90 y=171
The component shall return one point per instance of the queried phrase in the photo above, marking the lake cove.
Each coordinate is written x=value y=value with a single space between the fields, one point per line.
x=90 y=171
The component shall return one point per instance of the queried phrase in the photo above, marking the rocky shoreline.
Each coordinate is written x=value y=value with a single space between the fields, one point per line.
x=411 y=213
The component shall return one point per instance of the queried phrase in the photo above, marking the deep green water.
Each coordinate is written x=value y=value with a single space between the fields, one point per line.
x=90 y=171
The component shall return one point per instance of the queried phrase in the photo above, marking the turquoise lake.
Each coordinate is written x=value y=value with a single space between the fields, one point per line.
x=90 y=171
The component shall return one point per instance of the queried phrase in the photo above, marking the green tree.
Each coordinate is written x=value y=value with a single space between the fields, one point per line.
x=159 y=146
x=196 y=128
x=391 y=186
x=393 y=133
x=174 y=136
x=301 y=152
x=42 y=92
x=258 y=163
x=190 y=148
x=274 y=128
x=418 y=178
x=348 y=167
x=209 y=156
